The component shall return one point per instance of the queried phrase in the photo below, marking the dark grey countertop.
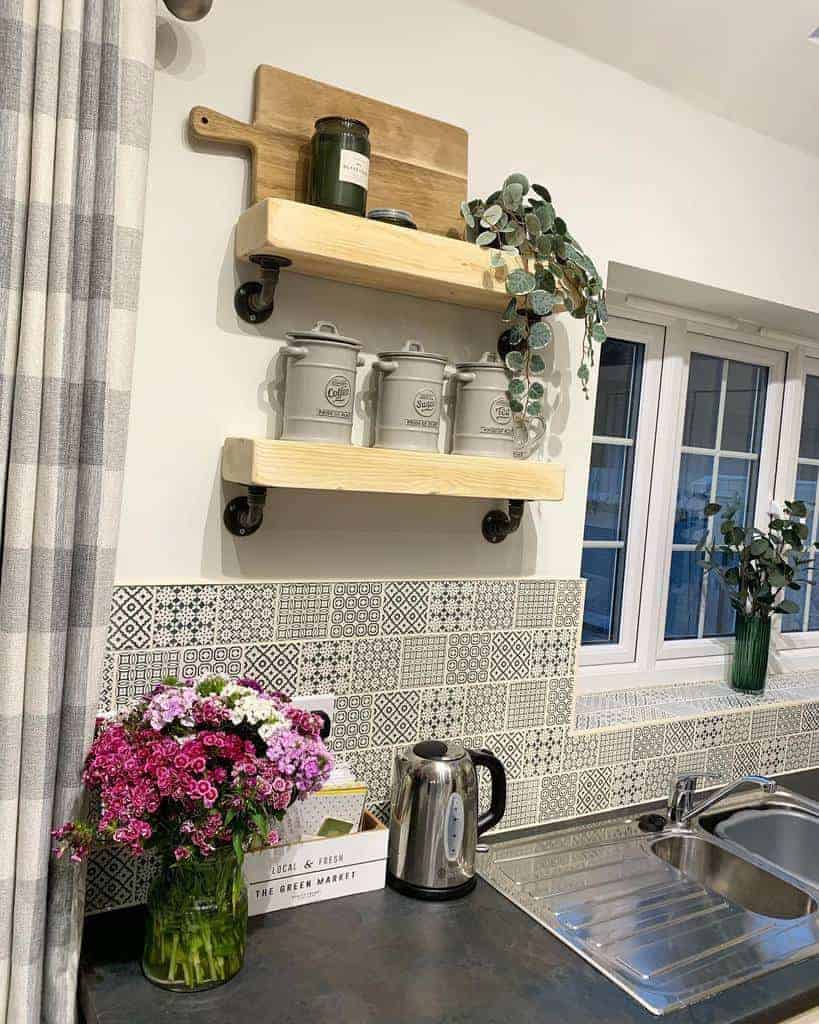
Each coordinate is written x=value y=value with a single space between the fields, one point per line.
x=381 y=957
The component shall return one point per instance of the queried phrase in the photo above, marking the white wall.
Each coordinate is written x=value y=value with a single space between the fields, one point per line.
x=639 y=176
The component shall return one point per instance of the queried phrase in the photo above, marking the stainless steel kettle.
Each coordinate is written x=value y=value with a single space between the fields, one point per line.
x=435 y=823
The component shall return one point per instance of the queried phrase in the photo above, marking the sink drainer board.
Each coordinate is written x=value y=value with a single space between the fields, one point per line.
x=661 y=935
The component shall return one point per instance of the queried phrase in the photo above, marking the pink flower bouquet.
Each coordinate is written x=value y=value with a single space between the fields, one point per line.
x=196 y=767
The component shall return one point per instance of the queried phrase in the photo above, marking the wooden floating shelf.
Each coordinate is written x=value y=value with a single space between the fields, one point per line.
x=259 y=462
x=341 y=247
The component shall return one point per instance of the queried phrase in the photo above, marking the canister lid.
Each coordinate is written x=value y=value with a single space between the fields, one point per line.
x=400 y=218
x=323 y=330
x=412 y=350
x=488 y=361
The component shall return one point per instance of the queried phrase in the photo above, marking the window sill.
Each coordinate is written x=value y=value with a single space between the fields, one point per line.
x=669 y=703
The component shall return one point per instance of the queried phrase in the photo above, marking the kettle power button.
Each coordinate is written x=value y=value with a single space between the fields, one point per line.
x=454 y=827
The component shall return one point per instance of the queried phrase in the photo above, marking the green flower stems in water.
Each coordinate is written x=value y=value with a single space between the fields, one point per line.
x=197 y=923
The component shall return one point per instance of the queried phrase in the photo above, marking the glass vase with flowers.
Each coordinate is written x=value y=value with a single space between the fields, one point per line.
x=201 y=773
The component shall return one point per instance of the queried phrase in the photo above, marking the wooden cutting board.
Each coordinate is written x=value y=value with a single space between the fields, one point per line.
x=417 y=163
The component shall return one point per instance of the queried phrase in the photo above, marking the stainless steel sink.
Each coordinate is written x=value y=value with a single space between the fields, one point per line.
x=782 y=830
x=674 y=917
x=733 y=877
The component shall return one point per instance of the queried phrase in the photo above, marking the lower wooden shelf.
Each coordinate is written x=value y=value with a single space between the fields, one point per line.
x=260 y=462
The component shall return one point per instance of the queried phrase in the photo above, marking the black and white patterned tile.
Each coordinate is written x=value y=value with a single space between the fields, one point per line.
x=746 y=758
x=736 y=728
x=485 y=706
x=627 y=784
x=543 y=750
x=220 y=660
x=304 y=611
x=247 y=613
x=509 y=748
x=526 y=705
x=763 y=723
x=521 y=802
x=593 y=790
x=810 y=717
x=325 y=666
x=553 y=652
x=558 y=796
x=693 y=761
x=356 y=609
x=132 y=611
x=374 y=765
x=560 y=702
x=679 y=737
x=647 y=742
x=568 y=601
x=423 y=660
x=352 y=722
x=185 y=616
x=494 y=604
x=137 y=672
x=395 y=717
x=442 y=712
x=376 y=664
x=511 y=654
x=659 y=775
x=788 y=721
x=580 y=750
x=773 y=753
x=405 y=606
x=275 y=666
x=467 y=658
x=797 y=754
x=614 y=746
x=720 y=762
x=707 y=732
x=535 y=606
x=451 y=605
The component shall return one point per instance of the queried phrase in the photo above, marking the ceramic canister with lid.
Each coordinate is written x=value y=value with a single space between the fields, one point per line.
x=483 y=419
x=320 y=385
x=410 y=398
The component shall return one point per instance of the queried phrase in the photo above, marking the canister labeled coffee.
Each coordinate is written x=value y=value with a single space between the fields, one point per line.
x=320 y=385
x=410 y=398
x=483 y=417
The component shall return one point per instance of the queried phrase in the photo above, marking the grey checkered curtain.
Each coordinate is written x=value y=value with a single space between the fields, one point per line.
x=75 y=104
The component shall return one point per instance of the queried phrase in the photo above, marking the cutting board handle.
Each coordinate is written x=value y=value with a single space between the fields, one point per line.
x=215 y=127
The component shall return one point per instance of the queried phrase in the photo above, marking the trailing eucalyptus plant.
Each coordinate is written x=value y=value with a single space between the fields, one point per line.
x=519 y=220
x=757 y=568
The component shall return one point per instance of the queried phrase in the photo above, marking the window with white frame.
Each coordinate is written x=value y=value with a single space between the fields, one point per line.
x=684 y=417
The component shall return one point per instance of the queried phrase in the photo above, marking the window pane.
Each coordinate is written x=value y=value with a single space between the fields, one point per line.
x=806 y=477
x=719 y=615
x=809 y=441
x=602 y=570
x=744 y=397
x=618 y=389
x=736 y=487
x=702 y=403
x=606 y=504
x=682 y=615
x=693 y=494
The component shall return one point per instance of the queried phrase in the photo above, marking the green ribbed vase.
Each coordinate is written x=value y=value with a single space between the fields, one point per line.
x=197 y=924
x=753 y=640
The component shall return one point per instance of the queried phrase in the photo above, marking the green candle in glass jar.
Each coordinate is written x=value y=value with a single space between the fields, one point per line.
x=340 y=165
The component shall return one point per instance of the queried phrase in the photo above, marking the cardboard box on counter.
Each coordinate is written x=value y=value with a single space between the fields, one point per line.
x=317 y=869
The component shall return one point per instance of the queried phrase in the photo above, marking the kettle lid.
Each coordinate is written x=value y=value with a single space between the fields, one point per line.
x=439 y=750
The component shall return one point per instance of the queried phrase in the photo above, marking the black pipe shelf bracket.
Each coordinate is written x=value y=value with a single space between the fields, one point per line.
x=497 y=525
x=254 y=300
x=243 y=515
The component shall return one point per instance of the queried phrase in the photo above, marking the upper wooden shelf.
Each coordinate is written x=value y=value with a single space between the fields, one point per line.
x=340 y=247
x=261 y=462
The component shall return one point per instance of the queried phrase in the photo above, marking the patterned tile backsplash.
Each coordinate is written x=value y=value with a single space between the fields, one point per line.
x=491 y=662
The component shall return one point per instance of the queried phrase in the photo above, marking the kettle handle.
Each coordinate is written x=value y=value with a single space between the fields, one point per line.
x=497 y=803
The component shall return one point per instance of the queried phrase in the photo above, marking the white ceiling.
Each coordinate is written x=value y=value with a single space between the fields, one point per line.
x=748 y=60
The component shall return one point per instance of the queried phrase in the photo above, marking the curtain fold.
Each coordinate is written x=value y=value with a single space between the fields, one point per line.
x=75 y=104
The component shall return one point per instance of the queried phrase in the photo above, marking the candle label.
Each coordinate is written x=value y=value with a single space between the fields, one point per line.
x=354 y=168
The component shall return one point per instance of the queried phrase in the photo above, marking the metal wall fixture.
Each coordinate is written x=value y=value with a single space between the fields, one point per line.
x=244 y=515
x=189 y=10
x=254 y=300
x=497 y=525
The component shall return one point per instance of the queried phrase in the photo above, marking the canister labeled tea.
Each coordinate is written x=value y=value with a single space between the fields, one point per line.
x=483 y=418
x=340 y=165
x=410 y=398
x=320 y=385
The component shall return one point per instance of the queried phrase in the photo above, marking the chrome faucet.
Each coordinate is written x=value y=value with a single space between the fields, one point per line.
x=681 y=805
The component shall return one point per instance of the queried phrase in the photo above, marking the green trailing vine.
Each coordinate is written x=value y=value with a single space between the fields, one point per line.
x=548 y=268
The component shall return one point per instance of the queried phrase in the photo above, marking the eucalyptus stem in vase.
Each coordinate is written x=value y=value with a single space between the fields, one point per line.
x=757 y=569
x=544 y=266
